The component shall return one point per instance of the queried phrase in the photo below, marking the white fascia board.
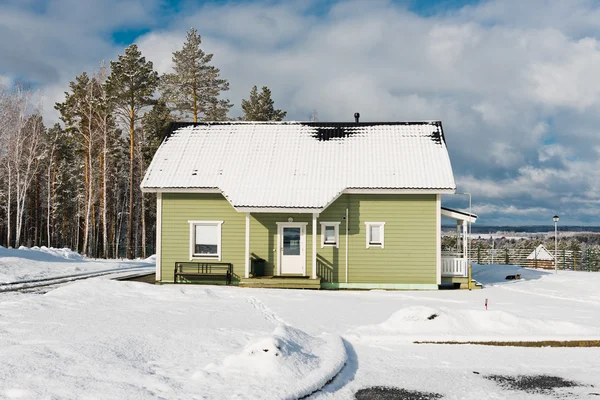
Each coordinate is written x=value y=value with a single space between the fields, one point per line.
x=458 y=216
x=398 y=191
x=281 y=210
x=180 y=190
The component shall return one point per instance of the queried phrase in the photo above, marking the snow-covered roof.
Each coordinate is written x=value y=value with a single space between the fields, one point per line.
x=302 y=165
x=540 y=253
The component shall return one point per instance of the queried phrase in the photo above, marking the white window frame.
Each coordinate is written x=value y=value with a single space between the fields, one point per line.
x=368 y=235
x=336 y=226
x=194 y=256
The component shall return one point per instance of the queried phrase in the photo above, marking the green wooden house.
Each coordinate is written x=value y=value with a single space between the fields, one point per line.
x=305 y=204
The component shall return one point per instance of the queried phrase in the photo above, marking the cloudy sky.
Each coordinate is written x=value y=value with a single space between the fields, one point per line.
x=516 y=83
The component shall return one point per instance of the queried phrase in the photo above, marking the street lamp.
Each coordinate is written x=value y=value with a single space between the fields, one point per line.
x=555 y=218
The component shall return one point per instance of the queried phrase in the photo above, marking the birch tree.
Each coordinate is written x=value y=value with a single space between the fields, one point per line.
x=21 y=128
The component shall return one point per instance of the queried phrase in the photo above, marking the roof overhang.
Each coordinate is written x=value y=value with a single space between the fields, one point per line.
x=301 y=210
x=399 y=191
x=179 y=190
x=458 y=215
x=293 y=210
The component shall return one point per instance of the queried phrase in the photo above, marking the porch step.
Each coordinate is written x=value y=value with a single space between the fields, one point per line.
x=474 y=285
x=281 y=282
x=461 y=282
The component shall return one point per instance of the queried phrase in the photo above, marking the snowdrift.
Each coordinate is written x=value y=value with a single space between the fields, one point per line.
x=495 y=274
x=287 y=364
x=428 y=323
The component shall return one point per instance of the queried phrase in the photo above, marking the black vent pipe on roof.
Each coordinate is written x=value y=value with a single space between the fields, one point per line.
x=356 y=117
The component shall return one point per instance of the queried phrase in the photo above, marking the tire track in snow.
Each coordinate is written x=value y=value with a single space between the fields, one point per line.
x=265 y=311
x=56 y=280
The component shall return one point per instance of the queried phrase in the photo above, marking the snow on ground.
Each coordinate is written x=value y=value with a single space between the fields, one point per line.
x=103 y=339
x=495 y=274
x=43 y=262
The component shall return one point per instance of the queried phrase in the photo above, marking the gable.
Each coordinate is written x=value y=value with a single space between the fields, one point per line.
x=540 y=253
x=301 y=164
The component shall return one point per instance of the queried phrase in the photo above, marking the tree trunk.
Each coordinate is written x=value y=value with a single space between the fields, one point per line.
x=36 y=239
x=8 y=212
x=103 y=199
x=131 y=180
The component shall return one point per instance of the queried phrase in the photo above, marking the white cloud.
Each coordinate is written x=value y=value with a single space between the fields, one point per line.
x=514 y=82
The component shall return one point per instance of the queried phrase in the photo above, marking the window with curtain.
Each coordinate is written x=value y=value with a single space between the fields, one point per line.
x=205 y=238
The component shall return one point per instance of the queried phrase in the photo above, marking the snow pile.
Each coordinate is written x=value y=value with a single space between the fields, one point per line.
x=65 y=253
x=43 y=254
x=419 y=323
x=44 y=262
x=495 y=274
x=287 y=364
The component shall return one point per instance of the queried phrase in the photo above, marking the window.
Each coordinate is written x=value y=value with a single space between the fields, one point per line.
x=205 y=239
x=375 y=234
x=330 y=234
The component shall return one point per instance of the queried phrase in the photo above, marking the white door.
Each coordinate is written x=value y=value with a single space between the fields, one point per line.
x=292 y=249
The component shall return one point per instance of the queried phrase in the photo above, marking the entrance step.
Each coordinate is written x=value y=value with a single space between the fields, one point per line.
x=279 y=282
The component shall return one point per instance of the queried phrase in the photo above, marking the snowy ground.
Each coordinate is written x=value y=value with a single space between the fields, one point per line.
x=103 y=339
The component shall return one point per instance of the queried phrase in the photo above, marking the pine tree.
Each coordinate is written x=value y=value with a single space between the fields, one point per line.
x=154 y=128
x=130 y=86
x=78 y=112
x=260 y=107
x=154 y=124
x=194 y=87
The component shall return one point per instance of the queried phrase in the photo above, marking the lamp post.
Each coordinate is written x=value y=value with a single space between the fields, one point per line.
x=555 y=218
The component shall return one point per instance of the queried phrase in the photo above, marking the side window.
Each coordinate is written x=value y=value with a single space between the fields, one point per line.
x=375 y=234
x=205 y=239
x=330 y=234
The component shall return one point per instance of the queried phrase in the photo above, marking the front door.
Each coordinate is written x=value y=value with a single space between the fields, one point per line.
x=292 y=249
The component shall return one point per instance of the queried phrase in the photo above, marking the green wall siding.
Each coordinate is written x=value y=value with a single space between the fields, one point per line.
x=179 y=208
x=409 y=256
x=263 y=238
x=409 y=253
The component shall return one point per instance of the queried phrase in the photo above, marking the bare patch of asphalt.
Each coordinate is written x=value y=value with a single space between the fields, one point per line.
x=393 y=393
x=531 y=384
x=537 y=384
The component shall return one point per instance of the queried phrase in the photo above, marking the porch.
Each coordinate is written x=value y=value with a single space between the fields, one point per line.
x=455 y=264
x=281 y=282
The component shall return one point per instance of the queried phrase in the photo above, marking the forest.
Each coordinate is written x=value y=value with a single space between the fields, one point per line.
x=76 y=183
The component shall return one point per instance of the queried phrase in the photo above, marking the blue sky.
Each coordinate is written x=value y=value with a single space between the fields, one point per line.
x=514 y=82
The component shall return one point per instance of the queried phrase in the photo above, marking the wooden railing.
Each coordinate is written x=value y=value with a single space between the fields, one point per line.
x=454 y=266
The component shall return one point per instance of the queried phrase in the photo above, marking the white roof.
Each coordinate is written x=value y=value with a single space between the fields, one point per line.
x=458 y=215
x=540 y=253
x=302 y=165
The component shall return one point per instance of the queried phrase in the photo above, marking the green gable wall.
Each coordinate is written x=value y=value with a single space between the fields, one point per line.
x=409 y=253
x=179 y=208
x=409 y=256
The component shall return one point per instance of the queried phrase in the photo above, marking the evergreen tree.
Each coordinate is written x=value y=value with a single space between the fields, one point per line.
x=260 y=107
x=130 y=86
x=194 y=87
x=78 y=113
x=154 y=128
x=154 y=124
